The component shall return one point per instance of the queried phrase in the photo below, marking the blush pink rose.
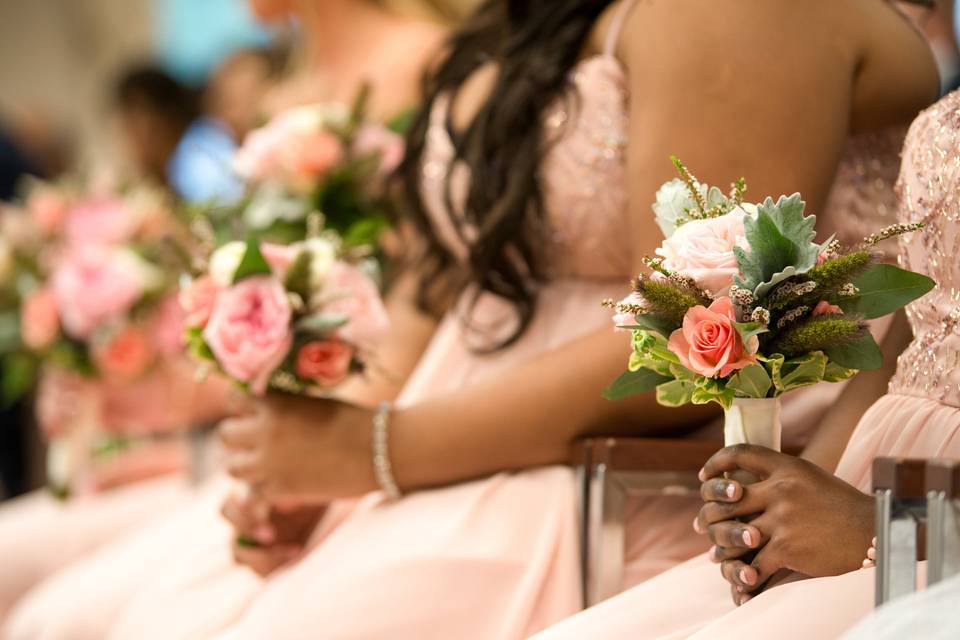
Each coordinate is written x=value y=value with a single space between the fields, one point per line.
x=355 y=296
x=197 y=301
x=326 y=362
x=823 y=308
x=377 y=139
x=124 y=355
x=94 y=285
x=47 y=209
x=167 y=326
x=703 y=250
x=709 y=344
x=279 y=257
x=305 y=160
x=249 y=330
x=40 y=321
x=100 y=221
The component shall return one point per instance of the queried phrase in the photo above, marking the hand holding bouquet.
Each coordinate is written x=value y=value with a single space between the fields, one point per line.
x=742 y=304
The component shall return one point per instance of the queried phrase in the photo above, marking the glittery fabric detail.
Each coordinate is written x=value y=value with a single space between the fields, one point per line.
x=929 y=189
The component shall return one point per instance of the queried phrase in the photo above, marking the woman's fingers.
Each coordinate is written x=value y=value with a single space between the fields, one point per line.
x=759 y=460
x=721 y=490
x=238 y=433
x=720 y=554
x=265 y=560
x=740 y=574
x=735 y=535
x=245 y=466
x=753 y=501
x=249 y=518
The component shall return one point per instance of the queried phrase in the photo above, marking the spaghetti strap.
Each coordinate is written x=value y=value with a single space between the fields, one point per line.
x=619 y=18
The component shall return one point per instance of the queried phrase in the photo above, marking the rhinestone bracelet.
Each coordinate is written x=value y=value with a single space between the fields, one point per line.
x=382 y=469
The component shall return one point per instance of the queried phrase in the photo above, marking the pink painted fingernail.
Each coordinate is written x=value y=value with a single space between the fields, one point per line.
x=702 y=475
x=696 y=525
x=745 y=577
x=747 y=538
x=731 y=490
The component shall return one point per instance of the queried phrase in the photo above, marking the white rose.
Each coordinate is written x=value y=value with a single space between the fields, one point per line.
x=224 y=262
x=322 y=255
x=272 y=202
x=150 y=277
x=673 y=200
x=703 y=250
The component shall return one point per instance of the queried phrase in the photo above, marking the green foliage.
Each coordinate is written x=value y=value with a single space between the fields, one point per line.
x=836 y=373
x=816 y=334
x=298 y=275
x=650 y=351
x=802 y=371
x=752 y=381
x=885 y=288
x=197 y=346
x=749 y=330
x=781 y=245
x=708 y=390
x=657 y=324
x=321 y=324
x=402 y=122
x=18 y=372
x=632 y=383
x=836 y=272
x=864 y=354
x=667 y=300
x=676 y=393
x=253 y=263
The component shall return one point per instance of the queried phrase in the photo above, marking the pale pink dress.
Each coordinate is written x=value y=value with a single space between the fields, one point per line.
x=494 y=558
x=919 y=417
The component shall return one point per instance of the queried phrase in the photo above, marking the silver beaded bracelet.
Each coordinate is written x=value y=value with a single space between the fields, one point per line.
x=382 y=469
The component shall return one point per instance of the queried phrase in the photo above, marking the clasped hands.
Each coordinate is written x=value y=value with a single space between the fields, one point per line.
x=293 y=456
x=797 y=518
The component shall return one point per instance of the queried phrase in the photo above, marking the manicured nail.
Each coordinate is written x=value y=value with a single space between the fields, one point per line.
x=696 y=525
x=731 y=490
x=713 y=552
x=702 y=475
x=745 y=577
x=747 y=538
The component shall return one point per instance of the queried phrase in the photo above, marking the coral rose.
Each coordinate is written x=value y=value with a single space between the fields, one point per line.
x=703 y=250
x=47 y=209
x=249 y=330
x=356 y=297
x=39 y=320
x=709 y=344
x=124 y=355
x=326 y=362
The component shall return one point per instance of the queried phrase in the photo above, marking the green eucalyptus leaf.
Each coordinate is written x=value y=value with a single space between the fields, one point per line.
x=835 y=373
x=321 y=323
x=298 y=275
x=748 y=330
x=631 y=383
x=675 y=393
x=885 y=288
x=752 y=381
x=803 y=371
x=252 y=264
x=657 y=324
x=864 y=354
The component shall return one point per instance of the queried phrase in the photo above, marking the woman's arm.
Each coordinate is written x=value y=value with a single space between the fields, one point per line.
x=833 y=433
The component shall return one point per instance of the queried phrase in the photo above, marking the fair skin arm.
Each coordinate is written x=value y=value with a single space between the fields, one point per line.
x=309 y=450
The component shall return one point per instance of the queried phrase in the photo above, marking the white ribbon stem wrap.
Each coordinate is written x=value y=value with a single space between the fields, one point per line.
x=753 y=421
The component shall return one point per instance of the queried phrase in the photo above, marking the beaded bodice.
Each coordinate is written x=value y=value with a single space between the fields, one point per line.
x=929 y=189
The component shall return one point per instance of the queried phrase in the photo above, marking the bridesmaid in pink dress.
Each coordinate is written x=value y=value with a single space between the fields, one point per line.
x=918 y=417
x=504 y=545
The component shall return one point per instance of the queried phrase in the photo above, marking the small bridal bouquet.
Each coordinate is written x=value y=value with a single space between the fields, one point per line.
x=295 y=318
x=320 y=158
x=742 y=305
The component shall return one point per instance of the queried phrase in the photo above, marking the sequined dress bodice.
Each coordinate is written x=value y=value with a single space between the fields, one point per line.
x=929 y=189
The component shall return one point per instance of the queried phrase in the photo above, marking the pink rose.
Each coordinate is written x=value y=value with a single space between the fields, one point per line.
x=100 y=221
x=279 y=257
x=326 y=363
x=356 y=296
x=703 y=250
x=48 y=210
x=305 y=160
x=823 y=308
x=627 y=318
x=709 y=344
x=377 y=139
x=94 y=285
x=197 y=301
x=249 y=330
x=124 y=355
x=40 y=321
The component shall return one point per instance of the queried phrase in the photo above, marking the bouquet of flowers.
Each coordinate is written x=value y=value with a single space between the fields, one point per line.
x=320 y=158
x=743 y=305
x=92 y=291
x=295 y=318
